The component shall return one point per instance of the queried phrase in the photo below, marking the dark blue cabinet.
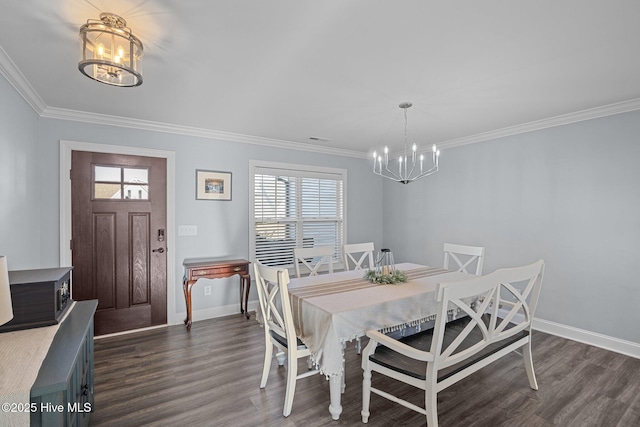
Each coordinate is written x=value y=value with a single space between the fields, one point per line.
x=63 y=390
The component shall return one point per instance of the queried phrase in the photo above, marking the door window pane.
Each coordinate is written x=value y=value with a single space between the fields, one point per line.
x=107 y=191
x=136 y=192
x=106 y=174
x=140 y=176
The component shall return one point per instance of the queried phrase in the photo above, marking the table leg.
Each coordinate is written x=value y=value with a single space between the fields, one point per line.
x=335 y=391
x=184 y=291
x=344 y=371
x=242 y=285
x=187 y=297
x=247 y=286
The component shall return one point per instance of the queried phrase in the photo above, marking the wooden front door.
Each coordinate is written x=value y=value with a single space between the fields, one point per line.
x=118 y=243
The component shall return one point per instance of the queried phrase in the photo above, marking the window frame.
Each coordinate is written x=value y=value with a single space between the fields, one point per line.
x=122 y=183
x=260 y=167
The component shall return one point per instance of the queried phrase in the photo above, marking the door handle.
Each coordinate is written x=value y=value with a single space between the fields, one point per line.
x=160 y=250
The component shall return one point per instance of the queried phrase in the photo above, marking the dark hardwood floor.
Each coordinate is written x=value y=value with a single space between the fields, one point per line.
x=210 y=377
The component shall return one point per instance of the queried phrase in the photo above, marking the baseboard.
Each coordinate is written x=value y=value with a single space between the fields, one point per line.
x=226 y=310
x=606 y=342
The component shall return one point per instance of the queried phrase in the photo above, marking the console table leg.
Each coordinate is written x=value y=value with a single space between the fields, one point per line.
x=187 y=296
x=242 y=284
x=184 y=290
x=247 y=286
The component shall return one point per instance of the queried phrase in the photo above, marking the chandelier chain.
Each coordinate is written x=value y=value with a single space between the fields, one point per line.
x=406 y=138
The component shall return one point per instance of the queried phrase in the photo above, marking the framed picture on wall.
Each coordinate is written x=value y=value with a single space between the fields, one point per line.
x=213 y=185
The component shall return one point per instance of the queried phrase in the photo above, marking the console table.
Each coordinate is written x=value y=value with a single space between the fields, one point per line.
x=215 y=268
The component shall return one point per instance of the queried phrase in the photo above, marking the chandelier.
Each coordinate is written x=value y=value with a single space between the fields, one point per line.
x=111 y=54
x=406 y=173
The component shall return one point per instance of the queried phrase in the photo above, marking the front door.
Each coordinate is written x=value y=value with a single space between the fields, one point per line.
x=118 y=243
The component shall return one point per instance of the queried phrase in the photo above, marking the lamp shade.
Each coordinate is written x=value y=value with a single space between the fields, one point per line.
x=110 y=53
x=6 y=309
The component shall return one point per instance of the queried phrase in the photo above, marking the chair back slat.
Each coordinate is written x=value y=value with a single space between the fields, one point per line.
x=362 y=251
x=313 y=259
x=470 y=254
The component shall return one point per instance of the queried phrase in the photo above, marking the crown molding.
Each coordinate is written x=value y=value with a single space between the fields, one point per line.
x=102 y=119
x=13 y=75
x=564 y=119
x=16 y=79
x=589 y=114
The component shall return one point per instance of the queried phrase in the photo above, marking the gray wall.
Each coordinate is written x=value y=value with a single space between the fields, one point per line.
x=30 y=171
x=20 y=180
x=568 y=194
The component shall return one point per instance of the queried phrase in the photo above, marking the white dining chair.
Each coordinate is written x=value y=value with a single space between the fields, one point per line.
x=313 y=259
x=469 y=255
x=494 y=325
x=357 y=254
x=277 y=318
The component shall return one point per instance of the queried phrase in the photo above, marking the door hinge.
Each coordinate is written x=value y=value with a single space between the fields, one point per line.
x=71 y=244
x=69 y=173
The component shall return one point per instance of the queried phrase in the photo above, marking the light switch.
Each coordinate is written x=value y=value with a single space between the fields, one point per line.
x=187 y=230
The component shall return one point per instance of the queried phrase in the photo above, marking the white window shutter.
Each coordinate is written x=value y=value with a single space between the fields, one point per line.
x=295 y=207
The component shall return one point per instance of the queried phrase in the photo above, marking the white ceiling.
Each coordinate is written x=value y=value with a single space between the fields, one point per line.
x=287 y=70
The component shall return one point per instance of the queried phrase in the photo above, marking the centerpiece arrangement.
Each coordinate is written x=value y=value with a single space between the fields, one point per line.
x=385 y=272
x=386 y=279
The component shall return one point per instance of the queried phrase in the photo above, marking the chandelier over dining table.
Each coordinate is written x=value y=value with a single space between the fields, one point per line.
x=406 y=172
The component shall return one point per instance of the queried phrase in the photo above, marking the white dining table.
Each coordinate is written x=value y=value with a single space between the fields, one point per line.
x=330 y=310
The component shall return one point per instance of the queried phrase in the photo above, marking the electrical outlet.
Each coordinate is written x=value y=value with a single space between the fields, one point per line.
x=207 y=290
x=187 y=230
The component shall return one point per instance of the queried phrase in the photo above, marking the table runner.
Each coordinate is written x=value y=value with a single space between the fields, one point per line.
x=350 y=285
x=359 y=283
x=326 y=320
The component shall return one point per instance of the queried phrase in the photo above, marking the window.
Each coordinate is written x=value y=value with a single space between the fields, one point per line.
x=295 y=206
x=120 y=183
